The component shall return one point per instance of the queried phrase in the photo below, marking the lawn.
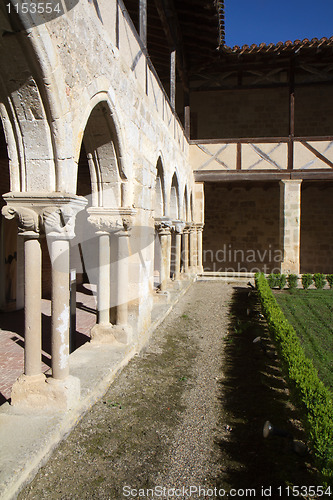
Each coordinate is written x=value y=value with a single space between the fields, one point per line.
x=311 y=314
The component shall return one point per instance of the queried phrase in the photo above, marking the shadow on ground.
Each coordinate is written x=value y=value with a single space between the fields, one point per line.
x=252 y=392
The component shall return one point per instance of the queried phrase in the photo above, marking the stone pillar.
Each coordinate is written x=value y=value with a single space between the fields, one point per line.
x=179 y=227
x=20 y=274
x=115 y=221
x=199 y=246
x=32 y=309
x=102 y=331
x=59 y=225
x=186 y=233
x=32 y=389
x=122 y=330
x=32 y=381
x=290 y=224
x=193 y=250
x=164 y=232
x=59 y=254
x=178 y=254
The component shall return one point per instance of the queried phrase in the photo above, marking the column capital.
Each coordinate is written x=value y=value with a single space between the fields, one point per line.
x=52 y=214
x=199 y=227
x=163 y=225
x=111 y=220
x=178 y=226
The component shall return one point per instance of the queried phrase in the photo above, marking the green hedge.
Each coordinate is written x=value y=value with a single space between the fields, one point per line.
x=315 y=398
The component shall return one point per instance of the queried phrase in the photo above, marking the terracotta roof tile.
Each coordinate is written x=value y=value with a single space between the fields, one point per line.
x=287 y=46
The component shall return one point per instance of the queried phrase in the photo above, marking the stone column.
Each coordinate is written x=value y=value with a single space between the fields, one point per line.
x=164 y=232
x=199 y=246
x=102 y=331
x=59 y=254
x=32 y=306
x=122 y=330
x=186 y=233
x=20 y=274
x=179 y=227
x=32 y=389
x=115 y=221
x=59 y=225
x=193 y=250
x=32 y=381
x=290 y=224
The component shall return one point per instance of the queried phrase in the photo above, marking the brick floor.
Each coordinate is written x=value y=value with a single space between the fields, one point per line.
x=12 y=336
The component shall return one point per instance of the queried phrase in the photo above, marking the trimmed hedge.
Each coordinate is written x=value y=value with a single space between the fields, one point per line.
x=315 y=398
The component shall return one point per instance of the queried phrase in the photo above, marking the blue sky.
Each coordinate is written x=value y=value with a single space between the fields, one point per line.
x=269 y=21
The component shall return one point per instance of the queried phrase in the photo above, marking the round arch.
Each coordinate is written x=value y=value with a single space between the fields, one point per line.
x=174 y=211
x=159 y=198
x=101 y=151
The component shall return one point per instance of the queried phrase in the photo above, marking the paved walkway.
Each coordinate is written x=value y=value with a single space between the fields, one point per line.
x=12 y=336
x=28 y=438
x=184 y=418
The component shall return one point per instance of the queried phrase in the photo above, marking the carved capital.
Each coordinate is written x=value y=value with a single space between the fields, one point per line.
x=27 y=218
x=111 y=219
x=199 y=227
x=163 y=225
x=36 y=213
x=178 y=226
x=59 y=222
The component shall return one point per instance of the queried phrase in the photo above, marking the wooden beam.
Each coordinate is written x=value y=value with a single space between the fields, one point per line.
x=245 y=140
x=317 y=154
x=171 y=27
x=291 y=114
x=143 y=21
x=260 y=175
x=239 y=156
x=173 y=80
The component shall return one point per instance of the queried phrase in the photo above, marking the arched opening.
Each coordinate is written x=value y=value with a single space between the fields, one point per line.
x=159 y=208
x=174 y=215
x=99 y=180
x=174 y=198
x=8 y=237
x=159 y=211
x=185 y=219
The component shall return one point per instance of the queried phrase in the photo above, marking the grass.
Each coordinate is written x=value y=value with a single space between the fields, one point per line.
x=311 y=314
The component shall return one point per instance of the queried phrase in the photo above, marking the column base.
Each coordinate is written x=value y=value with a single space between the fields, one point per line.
x=163 y=295
x=38 y=392
x=102 y=333
x=122 y=333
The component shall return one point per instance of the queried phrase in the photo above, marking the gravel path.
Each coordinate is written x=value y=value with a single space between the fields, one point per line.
x=181 y=414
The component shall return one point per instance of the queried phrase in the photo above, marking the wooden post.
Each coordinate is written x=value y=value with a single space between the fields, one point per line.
x=143 y=21
x=239 y=156
x=187 y=114
x=173 y=79
x=291 y=114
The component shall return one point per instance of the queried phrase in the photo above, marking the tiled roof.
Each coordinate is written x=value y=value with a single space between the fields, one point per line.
x=280 y=47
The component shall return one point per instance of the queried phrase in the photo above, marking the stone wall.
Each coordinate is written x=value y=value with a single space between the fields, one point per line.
x=261 y=113
x=255 y=113
x=317 y=228
x=241 y=230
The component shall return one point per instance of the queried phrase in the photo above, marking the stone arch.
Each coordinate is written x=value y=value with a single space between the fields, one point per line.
x=174 y=198
x=160 y=198
x=185 y=205
x=25 y=114
x=191 y=208
x=8 y=234
x=101 y=152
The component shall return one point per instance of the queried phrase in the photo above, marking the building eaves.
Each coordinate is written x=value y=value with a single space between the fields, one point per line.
x=280 y=47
